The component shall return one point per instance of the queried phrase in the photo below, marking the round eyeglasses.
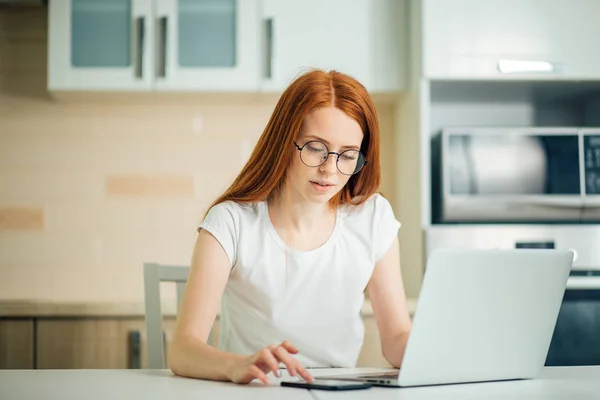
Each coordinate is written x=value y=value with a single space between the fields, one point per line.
x=315 y=153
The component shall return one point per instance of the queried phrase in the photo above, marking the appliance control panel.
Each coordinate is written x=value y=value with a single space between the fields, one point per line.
x=591 y=150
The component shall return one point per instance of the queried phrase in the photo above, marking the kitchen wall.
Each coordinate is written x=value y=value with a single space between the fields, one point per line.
x=90 y=188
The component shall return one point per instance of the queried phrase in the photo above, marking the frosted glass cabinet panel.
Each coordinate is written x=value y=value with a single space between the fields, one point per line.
x=101 y=33
x=207 y=45
x=206 y=33
x=99 y=45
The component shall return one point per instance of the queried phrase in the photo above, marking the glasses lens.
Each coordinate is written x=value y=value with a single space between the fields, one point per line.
x=314 y=153
x=350 y=162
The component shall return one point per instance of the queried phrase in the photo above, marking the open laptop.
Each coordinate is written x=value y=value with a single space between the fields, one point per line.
x=482 y=315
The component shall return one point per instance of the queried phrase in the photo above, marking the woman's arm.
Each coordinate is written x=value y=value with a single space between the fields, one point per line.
x=386 y=291
x=190 y=355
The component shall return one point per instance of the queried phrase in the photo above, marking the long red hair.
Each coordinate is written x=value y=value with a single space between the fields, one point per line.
x=264 y=173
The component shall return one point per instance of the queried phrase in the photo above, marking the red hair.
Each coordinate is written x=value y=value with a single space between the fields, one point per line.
x=264 y=173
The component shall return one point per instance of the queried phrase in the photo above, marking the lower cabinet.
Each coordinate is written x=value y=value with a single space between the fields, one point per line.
x=109 y=343
x=94 y=343
x=16 y=344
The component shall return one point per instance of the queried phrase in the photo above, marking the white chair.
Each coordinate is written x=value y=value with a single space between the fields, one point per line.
x=154 y=274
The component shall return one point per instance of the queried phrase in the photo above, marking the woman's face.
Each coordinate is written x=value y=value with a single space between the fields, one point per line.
x=338 y=132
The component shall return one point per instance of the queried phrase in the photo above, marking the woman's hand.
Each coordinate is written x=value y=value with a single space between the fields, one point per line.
x=259 y=364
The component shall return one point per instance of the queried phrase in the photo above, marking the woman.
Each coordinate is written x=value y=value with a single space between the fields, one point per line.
x=290 y=247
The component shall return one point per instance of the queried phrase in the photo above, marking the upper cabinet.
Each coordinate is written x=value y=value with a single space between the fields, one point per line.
x=206 y=45
x=170 y=45
x=362 y=38
x=221 y=45
x=99 y=45
x=522 y=39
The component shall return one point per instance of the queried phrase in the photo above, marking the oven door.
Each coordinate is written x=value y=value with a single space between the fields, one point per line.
x=515 y=175
x=576 y=338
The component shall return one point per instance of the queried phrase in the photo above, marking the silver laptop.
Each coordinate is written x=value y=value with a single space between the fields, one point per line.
x=482 y=315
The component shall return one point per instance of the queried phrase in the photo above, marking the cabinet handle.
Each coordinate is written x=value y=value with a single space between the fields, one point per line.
x=269 y=35
x=507 y=66
x=140 y=30
x=162 y=47
x=134 y=361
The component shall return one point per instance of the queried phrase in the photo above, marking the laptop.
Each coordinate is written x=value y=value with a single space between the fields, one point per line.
x=482 y=315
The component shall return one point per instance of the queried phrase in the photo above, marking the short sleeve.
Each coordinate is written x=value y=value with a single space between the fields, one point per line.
x=386 y=226
x=222 y=223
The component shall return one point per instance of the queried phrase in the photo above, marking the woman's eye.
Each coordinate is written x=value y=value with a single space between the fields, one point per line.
x=349 y=157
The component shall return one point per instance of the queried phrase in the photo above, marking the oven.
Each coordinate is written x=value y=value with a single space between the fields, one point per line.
x=576 y=338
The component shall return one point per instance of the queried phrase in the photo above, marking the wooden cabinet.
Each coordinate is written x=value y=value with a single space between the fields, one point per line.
x=16 y=344
x=220 y=45
x=106 y=343
x=97 y=343
x=503 y=39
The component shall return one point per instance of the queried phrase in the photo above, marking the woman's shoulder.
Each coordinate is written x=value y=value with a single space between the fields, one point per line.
x=233 y=210
x=369 y=206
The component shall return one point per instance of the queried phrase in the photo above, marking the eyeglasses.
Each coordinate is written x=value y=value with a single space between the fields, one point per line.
x=315 y=153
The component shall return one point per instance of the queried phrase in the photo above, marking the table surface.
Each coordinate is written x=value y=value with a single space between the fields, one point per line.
x=579 y=383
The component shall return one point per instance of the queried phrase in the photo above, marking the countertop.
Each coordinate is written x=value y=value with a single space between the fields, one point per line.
x=49 y=309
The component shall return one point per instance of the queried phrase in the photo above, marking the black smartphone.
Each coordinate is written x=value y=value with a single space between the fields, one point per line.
x=323 y=384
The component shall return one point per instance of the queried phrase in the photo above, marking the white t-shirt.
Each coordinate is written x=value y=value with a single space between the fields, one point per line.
x=317 y=305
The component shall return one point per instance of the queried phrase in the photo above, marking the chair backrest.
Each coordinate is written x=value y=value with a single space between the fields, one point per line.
x=154 y=274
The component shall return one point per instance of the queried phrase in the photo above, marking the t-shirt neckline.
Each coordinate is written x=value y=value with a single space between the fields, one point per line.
x=266 y=218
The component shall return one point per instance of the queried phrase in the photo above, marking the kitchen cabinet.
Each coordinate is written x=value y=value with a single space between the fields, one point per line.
x=106 y=342
x=94 y=343
x=16 y=344
x=207 y=45
x=220 y=45
x=144 y=45
x=504 y=39
x=360 y=38
x=99 y=45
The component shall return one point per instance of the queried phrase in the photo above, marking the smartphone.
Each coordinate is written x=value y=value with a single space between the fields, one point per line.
x=323 y=384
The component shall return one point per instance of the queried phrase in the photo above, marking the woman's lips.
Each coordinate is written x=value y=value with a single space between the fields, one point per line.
x=323 y=187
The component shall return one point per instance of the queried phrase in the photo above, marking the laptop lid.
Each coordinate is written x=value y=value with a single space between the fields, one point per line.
x=485 y=315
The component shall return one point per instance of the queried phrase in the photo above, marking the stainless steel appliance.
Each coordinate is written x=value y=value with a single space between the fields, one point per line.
x=518 y=175
x=576 y=339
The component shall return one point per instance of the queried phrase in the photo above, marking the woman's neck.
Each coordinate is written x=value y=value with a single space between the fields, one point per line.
x=298 y=215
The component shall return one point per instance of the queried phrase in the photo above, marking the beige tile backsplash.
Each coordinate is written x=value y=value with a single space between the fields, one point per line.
x=91 y=189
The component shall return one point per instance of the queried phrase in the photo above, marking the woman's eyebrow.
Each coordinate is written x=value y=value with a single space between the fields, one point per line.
x=329 y=144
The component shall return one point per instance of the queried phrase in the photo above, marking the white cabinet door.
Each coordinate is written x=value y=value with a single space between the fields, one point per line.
x=546 y=39
x=359 y=37
x=209 y=45
x=99 y=45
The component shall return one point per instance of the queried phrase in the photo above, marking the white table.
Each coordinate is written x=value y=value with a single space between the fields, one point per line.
x=564 y=383
x=580 y=383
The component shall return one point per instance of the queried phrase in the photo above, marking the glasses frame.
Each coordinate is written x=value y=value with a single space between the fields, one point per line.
x=299 y=148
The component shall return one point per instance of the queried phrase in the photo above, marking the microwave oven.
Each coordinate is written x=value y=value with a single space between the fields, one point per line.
x=519 y=175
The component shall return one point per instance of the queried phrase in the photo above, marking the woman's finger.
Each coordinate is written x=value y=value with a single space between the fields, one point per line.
x=289 y=347
x=267 y=357
x=282 y=354
x=305 y=374
x=257 y=373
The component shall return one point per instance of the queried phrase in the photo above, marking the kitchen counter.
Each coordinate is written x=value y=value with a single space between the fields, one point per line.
x=49 y=309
